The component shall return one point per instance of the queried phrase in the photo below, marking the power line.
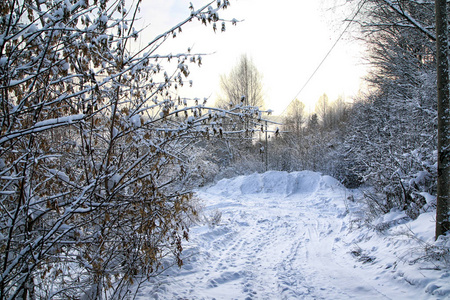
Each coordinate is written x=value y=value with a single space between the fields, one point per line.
x=326 y=56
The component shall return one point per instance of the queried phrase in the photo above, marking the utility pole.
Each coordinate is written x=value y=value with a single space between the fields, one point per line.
x=266 y=149
x=443 y=181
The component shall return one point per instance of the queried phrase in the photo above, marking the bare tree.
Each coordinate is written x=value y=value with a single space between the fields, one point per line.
x=243 y=85
x=339 y=111
x=295 y=117
x=323 y=110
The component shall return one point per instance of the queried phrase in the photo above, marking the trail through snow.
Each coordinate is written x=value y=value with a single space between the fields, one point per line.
x=281 y=236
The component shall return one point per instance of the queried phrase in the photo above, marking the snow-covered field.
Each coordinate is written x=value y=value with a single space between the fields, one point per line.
x=298 y=236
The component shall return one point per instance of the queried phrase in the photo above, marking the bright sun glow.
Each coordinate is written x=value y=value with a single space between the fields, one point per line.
x=286 y=40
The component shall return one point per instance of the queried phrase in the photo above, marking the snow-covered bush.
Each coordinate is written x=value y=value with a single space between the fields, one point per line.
x=90 y=148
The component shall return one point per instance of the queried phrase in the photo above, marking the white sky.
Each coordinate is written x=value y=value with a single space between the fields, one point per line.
x=286 y=39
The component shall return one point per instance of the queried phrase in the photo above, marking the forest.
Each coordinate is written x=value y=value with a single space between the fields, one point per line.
x=100 y=154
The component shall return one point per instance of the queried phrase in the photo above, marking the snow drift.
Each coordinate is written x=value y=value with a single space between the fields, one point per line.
x=273 y=182
x=297 y=236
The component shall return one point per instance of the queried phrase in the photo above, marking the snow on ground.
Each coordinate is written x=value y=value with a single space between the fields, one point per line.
x=297 y=236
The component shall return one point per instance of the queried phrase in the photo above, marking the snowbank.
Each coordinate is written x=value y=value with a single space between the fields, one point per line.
x=274 y=182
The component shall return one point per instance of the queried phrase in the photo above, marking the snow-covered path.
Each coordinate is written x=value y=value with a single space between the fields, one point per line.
x=280 y=237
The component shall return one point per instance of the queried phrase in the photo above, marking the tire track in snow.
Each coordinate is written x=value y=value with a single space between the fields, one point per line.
x=279 y=238
x=324 y=272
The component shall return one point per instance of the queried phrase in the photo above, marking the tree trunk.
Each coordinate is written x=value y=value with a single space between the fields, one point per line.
x=443 y=184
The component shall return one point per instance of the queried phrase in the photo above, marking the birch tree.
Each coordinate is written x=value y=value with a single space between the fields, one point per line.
x=242 y=85
x=295 y=118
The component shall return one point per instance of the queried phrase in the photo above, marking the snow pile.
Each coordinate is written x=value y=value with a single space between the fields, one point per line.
x=273 y=182
x=297 y=235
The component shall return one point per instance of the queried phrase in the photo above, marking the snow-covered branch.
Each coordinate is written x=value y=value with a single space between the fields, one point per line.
x=410 y=19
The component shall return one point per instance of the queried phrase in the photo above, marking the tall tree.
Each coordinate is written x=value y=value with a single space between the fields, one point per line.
x=295 y=117
x=443 y=85
x=313 y=122
x=243 y=85
x=323 y=110
x=339 y=111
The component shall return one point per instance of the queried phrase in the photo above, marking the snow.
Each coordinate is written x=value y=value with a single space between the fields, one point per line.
x=430 y=199
x=3 y=61
x=115 y=132
x=62 y=120
x=420 y=177
x=282 y=235
x=103 y=18
x=136 y=120
x=65 y=66
x=113 y=181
